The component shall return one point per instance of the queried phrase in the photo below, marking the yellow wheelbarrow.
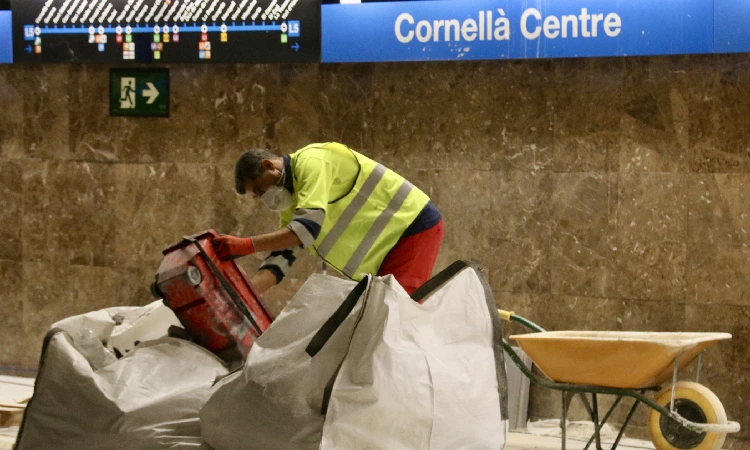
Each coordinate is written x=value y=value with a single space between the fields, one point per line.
x=683 y=415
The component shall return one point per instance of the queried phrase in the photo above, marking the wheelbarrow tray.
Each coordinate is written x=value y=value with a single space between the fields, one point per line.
x=627 y=360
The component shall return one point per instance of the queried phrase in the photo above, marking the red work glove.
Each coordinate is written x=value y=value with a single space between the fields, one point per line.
x=230 y=247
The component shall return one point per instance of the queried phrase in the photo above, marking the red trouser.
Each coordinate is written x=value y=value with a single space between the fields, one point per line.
x=412 y=258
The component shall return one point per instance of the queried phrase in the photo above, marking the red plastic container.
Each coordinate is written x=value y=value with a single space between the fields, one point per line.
x=212 y=298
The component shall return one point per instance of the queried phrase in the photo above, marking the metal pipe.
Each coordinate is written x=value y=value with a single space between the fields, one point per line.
x=700 y=365
x=627 y=420
x=527 y=323
x=599 y=425
x=674 y=381
x=563 y=423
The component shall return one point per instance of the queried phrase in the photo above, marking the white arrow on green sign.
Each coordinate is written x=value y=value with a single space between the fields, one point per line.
x=139 y=92
x=151 y=93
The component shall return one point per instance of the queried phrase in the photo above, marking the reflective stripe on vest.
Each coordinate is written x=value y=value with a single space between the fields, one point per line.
x=351 y=210
x=380 y=223
x=378 y=226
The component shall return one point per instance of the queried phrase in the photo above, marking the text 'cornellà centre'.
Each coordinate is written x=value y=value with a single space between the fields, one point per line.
x=490 y=26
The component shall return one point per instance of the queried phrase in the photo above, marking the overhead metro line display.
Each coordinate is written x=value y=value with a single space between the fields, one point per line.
x=226 y=31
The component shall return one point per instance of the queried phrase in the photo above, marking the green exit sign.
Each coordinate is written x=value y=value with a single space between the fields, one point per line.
x=139 y=92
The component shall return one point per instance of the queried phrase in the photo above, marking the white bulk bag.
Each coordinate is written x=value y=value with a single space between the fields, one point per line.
x=149 y=399
x=364 y=366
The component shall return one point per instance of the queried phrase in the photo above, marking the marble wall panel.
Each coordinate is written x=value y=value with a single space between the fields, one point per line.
x=581 y=240
x=157 y=205
x=293 y=109
x=719 y=137
x=738 y=443
x=12 y=112
x=12 y=333
x=348 y=99
x=519 y=116
x=581 y=313
x=651 y=236
x=662 y=97
x=719 y=206
x=135 y=285
x=465 y=216
x=11 y=210
x=81 y=219
x=728 y=360
x=521 y=203
x=524 y=304
x=68 y=212
x=96 y=136
x=652 y=207
x=719 y=235
x=654 y=315
x=587 y=108
x=249 y=97
x=520 y=265
x=404 y=121
x=46 y=115
x=719 y=274
x=202 y=120
x=651 y=271
x=55 y=291
x=464 y=115
x=36 y=211
x=645 y=149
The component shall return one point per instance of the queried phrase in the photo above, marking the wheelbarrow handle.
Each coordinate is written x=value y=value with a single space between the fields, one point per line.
x=510 y=316
x=505 y=315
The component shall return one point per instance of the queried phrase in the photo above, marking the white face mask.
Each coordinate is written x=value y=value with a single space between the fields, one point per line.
x=277 y=198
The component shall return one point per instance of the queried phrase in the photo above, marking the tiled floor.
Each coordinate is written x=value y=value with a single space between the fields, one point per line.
x=520 y=440
x=516 y=441
x=15 y=390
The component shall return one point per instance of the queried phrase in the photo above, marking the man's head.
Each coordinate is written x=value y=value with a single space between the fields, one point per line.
x=256 y=171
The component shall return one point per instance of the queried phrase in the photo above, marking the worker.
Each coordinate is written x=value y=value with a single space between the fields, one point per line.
x=358 y=216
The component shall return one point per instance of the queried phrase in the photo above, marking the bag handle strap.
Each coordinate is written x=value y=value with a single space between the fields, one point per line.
x=337 y=318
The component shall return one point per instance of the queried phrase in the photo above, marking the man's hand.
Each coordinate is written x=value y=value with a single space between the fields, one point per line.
x=231 y=247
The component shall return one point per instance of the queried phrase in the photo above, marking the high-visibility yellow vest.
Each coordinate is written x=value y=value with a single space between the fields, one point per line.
x=365 y=222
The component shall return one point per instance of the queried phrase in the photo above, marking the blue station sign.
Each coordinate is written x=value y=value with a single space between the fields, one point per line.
x=512 y=29
x=6 y=37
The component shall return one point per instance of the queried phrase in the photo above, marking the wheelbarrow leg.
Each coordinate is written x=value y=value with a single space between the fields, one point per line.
x=598 y=426
x=563 y=425
x=594 y=414
x=627 y=420
x=586 y=404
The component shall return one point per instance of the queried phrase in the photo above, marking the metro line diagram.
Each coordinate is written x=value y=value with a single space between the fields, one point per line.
x=73 y=12
x=103 y=22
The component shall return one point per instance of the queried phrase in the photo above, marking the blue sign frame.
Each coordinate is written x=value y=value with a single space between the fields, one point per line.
x=732 y=25
x=6 y=37
x=512 y=29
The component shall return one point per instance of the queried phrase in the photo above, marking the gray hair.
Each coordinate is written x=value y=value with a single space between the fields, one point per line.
x=249 y=167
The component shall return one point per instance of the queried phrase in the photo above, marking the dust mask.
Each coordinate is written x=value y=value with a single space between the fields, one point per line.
x=277 y=198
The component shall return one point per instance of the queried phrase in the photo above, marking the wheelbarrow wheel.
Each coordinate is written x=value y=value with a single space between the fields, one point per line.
x=695 y=403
